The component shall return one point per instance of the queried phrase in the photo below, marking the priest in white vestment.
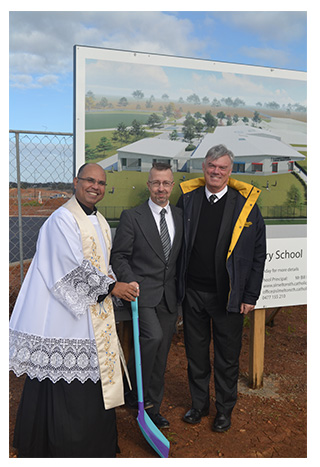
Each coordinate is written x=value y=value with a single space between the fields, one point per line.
x=63 y=333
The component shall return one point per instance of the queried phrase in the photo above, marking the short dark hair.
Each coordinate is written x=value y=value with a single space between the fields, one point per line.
x=81 y=169
x=218 y=151
x=161 y=166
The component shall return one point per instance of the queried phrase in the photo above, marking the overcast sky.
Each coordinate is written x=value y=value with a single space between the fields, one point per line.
x=41 y=49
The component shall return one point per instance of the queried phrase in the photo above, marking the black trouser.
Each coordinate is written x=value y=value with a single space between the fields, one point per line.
x=156 y=326
x=201 y=312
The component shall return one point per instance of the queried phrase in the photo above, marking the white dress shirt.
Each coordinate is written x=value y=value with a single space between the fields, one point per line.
x=219 y=195
x=155 y=209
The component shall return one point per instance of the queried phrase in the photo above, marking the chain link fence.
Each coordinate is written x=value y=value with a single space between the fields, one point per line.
x=40 y=180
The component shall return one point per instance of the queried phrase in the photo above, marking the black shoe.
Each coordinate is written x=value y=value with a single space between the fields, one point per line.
x=221 y=423
x=132 y=402
x=194 y=415
x=159 y=420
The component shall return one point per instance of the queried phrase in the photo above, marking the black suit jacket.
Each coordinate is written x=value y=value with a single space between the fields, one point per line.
x=137 y=255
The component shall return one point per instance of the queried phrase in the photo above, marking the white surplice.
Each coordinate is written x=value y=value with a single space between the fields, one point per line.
x=51 y=334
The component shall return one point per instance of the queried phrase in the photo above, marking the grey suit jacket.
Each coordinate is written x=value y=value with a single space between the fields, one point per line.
x=137 y=255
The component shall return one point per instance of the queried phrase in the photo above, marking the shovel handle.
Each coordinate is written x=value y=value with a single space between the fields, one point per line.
x=137 y=351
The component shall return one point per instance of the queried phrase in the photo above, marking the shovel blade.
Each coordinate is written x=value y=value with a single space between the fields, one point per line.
x=153 y=435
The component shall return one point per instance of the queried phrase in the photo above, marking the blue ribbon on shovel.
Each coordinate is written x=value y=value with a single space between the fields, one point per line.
x=149 y=430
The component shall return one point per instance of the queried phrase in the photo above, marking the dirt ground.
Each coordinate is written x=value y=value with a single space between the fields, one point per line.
x=30 y=205
x=267 y=423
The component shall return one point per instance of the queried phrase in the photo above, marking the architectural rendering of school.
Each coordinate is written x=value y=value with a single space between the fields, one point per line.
x=256 y=151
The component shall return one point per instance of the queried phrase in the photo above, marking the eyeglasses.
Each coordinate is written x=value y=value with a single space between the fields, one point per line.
x=157 y=183
x=93 y=181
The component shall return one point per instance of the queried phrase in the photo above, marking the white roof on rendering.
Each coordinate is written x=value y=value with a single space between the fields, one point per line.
x=155 y=147
x=246 y=141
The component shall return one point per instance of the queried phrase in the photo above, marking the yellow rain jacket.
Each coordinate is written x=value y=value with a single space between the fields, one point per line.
x=241 y=247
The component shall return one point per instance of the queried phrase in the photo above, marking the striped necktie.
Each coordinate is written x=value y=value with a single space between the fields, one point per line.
x=212 y=198
x=164 y=235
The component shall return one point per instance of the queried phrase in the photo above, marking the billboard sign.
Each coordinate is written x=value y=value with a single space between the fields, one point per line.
x=134 y=108
x=285 y=274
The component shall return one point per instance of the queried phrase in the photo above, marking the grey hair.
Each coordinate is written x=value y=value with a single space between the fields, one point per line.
x=218 y=151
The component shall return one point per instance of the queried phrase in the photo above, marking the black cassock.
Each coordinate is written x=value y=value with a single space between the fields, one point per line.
x=64 y=420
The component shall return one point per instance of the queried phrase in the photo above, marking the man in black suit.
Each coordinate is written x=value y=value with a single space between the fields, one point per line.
x=138 y=252
x=220 y=275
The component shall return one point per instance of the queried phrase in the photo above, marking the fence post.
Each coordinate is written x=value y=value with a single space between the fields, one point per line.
x=19 y=207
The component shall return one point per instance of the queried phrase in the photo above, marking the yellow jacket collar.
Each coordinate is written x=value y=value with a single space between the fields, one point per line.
x=244 y=188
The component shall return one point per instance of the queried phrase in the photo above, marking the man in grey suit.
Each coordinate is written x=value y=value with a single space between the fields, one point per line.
x=145 y=249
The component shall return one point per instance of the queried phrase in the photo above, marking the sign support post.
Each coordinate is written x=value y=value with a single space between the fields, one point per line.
x=256 y=352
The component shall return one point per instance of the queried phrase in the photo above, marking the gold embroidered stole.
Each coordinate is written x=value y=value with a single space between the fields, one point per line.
x=102 y=315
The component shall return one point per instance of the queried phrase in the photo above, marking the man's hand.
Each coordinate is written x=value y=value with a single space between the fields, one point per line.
x=126 y=291
x=245 y=308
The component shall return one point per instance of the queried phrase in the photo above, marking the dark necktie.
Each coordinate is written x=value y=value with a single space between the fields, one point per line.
x=212 y=198
x=164 y=234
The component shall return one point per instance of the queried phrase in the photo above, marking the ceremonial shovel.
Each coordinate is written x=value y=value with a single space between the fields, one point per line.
x=149 y=430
